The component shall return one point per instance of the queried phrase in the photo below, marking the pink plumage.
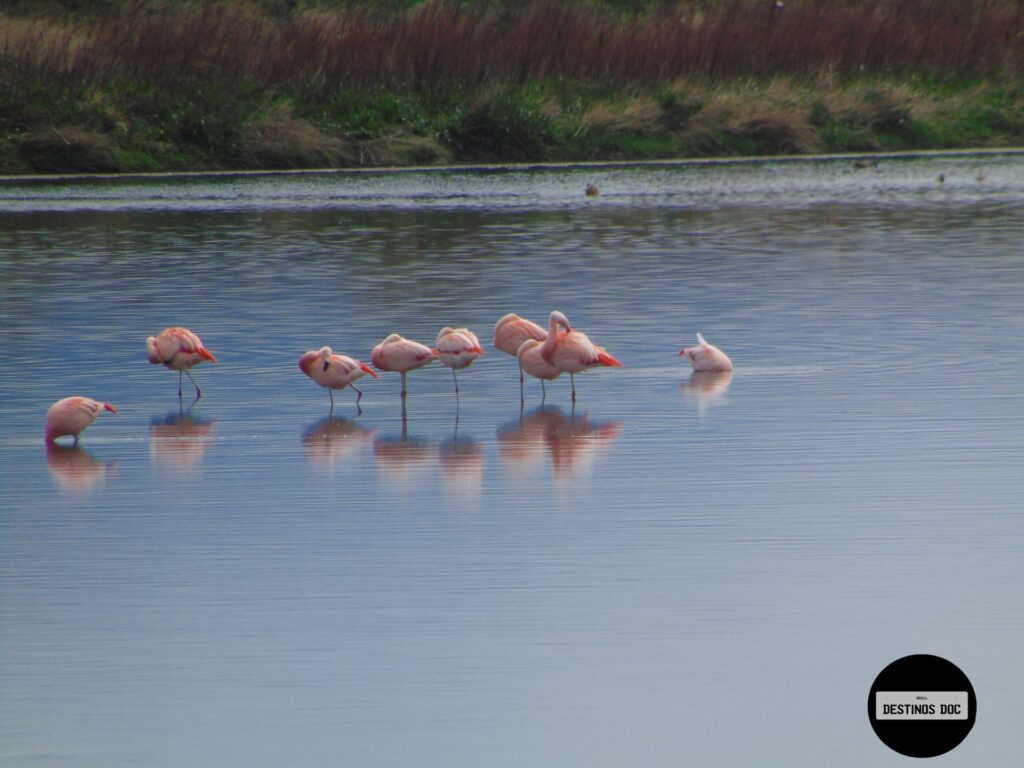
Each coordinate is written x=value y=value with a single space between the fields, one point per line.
x=572 y=351
x=511 y=332
x=333 y=371
x=72 y=415
x=706 y=357
x=178 y=349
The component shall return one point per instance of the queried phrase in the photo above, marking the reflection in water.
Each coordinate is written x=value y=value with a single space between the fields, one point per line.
x=402 y=461
x=708 y=388
x=462 y=466
x=75 y=469
x=329 y=441
x=574 y=442
x=179 y=440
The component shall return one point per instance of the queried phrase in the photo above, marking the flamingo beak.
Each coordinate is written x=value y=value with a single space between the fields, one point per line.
x=327 y=364
x=109 y=407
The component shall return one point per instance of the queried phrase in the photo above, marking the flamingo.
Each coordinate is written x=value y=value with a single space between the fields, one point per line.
x=572 y=351
x=402 y=355
x=458 y=348
x=531 y=361
x=72 y=415
x=706 y=357
x=333 y=371
x=509 y=334
x=178 y=349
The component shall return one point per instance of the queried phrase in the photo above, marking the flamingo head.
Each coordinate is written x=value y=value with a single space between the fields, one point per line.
x=325 y=355
x=560 y=319
x=151 y=351
x=444 y=332
x=109 y=407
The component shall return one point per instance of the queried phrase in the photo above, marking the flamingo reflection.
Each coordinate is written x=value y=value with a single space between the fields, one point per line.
x=179 y=440
x=76 y=470
x=708 y=388
x=462 y=466
x=403 y=461
x=573 y=442
x=330 y=442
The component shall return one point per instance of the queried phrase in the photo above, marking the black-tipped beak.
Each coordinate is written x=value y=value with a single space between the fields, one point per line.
x=326 y=363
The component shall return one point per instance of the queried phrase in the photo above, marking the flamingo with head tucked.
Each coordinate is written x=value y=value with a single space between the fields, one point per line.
x=706 y=357
x=333 y=371
x=457 y=348
x=571 y=351
x=509 y=334
x=531 y=361
x=72 y=415
x=401 y=355
x=178 y=349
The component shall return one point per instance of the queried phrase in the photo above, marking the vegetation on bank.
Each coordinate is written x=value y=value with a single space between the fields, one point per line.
x=107 y=86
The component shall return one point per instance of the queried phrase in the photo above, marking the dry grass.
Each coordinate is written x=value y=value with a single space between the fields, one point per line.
x=445 y=42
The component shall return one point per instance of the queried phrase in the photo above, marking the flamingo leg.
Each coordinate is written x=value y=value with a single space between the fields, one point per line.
x=331 y=395
x=359 y=396
x=522 y=395
x=403 y=398
x=179 y=385
x=573 y=382
x=199 y=392
x=456 y=385
x=544 y=390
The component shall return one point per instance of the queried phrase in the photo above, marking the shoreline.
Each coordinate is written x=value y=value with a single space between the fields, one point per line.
x=14 y=179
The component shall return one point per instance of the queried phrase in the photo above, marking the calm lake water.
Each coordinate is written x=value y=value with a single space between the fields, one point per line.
x=682 y=571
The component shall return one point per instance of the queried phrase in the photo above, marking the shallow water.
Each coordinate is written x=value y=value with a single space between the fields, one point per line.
x=682 y=570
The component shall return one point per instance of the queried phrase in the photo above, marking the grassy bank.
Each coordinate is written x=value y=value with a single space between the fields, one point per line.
x=107 y=86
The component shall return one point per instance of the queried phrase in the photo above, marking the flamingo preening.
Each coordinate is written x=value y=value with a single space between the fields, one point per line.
x=706 y=357
x=571 y=351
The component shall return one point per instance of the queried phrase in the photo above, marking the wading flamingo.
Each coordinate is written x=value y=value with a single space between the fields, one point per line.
x=401 y=355
x=571 y=351
x=333 y=371
x=705 y=357
x=509 y=334
x=178 y=349
x=72 y=415
x=457 y=348
x=531 y=361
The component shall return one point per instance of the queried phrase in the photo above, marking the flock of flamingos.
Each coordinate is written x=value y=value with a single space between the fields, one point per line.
x=544 y=354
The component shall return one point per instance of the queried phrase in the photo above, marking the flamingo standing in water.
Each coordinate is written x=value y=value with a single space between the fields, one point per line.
x=333 y=371
x=571 y=351
x=457 y=348
x=706 y=357
x=178 y=349
x=72 y=415
x=401 y=355
x=531 y=361
x=509 y=334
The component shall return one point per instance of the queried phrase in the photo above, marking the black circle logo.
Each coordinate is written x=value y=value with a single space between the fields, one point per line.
x=922 y=706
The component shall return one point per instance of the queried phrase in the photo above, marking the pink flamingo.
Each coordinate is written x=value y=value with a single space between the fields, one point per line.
x=531 y=361
x=705 y=357
x=72 y=415
x=333 y=371
x=509 y=334
x=571 y=351
x=178 y=349
x=458 y=348
x=402 y=355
